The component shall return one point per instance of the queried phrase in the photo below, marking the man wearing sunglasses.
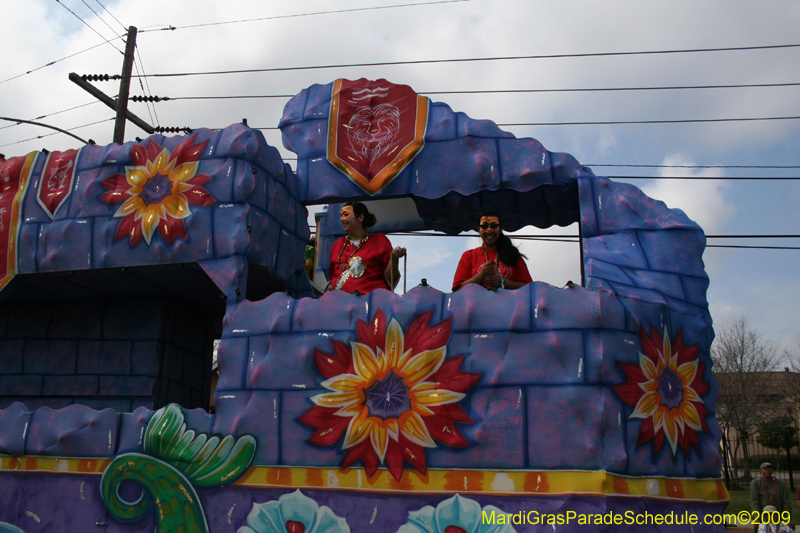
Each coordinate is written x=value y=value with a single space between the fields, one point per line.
x=497 y=264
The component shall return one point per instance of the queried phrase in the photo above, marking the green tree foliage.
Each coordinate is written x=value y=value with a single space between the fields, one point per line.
x=779 y=433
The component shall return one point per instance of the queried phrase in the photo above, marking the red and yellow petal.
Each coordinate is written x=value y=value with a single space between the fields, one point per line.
x=414 y=429
x=364 y=360
x=345 y=383
x=649 y=369
x=360 y=428
x=131 y=205
x=184 y=172
x=380 y=440
x=432 y=397
x=176 y=205
x=337 y=399
x=394 y=351
x=422 y=365
x=687 y=372
x=646 y=405
x=690 y=416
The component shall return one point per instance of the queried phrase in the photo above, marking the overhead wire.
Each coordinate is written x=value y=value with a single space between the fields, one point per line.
x=111 y=15
x=575 y=239
x=476 y=59
x=685 y=166
x=90 y=27
x=56 y=133
x=53 y=114
x=511 y=91
x=277 y=17
x=96 y=14
x=51 y=63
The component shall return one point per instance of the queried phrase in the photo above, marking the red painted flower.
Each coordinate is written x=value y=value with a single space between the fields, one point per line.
x=392 y=394
x=665 y=390
x=157 y=191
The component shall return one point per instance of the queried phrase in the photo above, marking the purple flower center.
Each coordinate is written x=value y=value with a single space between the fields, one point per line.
x=156 y=189
x=670 y=389
x=388 y=398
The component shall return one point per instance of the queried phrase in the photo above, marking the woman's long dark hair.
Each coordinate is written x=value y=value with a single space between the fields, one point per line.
x=507 y=253
x=361 y=209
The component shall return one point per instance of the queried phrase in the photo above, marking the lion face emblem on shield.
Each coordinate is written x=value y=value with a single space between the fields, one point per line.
x=372 y=130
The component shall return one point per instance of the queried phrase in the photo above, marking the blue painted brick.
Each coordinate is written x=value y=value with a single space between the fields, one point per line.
x=663 y=282
x=131 y=430
x=98 y=403
x=193 y=370
x=574 y=308
x=70 y=386
x=29 y=321
x=497 y=437
x=11 y=356
x=510 y=358
x=675 y=250
x=77 y=320
x=473 y=308
x=173 y=363
x=126 y=385
x=285 y=361
x=335 y=311
x=145 y=357
x=604 y=349
x=25 y=385
x=75 y=431
x=233 y=357
x=134 y=319
x=50 y=357
x=50 y=402
x=622 y=249
x=104 y=357
x=295 y=450
x=14 y=421
x=230 y=229
x=26 y=252
x=273 y=314
x=65 y=245
x=549 y=445
x=255 y=413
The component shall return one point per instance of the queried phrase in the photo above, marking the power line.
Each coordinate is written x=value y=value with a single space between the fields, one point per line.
x=173 y=28
x=96 y=14
x=509 y=91
x=51 y=63
x=704 y=178
x=59 y=131
x=124 y=28
x=622 y=122
x=687 y=166
x=575 y=239
x=52 y=114
x=90 y=27
x=618 y=122
x=478 y=59
x=573 y=236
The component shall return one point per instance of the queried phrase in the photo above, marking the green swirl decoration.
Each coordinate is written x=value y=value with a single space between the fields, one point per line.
x=175 y=461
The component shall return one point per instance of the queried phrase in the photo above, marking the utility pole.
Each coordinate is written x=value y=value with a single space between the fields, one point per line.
x=125 y=86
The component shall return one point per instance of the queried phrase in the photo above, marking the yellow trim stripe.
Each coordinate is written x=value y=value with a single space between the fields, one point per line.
x=500 y=482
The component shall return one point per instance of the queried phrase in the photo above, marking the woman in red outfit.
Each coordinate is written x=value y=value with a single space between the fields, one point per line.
x=362 y=261
x=497 y=264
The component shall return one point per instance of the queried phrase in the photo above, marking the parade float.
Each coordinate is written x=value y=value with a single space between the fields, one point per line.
x=581 y=408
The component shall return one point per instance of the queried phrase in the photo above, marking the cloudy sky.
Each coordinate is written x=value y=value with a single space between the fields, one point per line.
x=758 y=283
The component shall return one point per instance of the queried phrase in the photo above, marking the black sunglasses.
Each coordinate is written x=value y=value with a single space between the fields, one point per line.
x=493 y=225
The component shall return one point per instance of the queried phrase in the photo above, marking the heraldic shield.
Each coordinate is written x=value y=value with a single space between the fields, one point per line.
x=375 y=129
